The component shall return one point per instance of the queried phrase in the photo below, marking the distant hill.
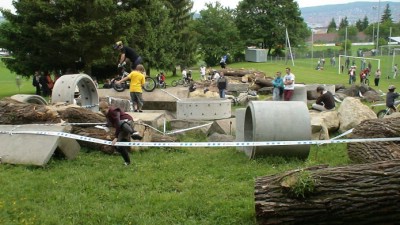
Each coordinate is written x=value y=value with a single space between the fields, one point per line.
x=322 y=15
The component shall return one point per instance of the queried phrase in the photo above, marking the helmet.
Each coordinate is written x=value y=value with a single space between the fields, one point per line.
x=117 y=44
x=391 y=87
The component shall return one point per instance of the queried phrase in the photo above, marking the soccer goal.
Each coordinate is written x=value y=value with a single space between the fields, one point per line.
x=346 y=62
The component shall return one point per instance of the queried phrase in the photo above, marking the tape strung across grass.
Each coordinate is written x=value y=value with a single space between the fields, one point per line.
x=200 y=144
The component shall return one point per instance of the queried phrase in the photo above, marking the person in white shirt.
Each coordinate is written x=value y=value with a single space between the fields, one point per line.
x=288 y=81
x=203 y=72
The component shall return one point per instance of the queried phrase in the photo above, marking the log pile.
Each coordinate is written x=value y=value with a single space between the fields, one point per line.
x=364 y=152
x=357 y=194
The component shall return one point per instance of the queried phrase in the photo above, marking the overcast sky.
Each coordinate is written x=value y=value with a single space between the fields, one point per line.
x=199 y=4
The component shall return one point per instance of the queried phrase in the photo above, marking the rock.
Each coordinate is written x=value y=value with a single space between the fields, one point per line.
x=352 y=112
x=323 y=123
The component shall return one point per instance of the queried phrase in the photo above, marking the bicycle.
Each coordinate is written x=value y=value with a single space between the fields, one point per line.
x=382 y=113
x=149 y=85
x=182 y=81
x=365 y=81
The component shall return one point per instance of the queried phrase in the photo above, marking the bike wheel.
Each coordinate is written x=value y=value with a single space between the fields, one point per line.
x=118 y=87
x=181 y=81
x=149 y=84
x=174 y=83
x=383 y=113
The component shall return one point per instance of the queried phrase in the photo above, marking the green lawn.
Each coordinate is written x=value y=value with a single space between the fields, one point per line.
x=163 y=185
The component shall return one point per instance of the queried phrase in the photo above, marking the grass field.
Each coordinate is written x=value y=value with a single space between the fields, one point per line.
x=163 y=185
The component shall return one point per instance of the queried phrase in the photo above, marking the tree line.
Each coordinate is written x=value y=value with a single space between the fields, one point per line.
x=387 y=27
x=62 y=35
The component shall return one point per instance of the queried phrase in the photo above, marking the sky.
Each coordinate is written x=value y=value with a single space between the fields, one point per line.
x=199 y=4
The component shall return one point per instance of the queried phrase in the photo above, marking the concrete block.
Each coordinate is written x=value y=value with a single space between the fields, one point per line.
x=32 y=149
x=239 y=117
x=203 y=109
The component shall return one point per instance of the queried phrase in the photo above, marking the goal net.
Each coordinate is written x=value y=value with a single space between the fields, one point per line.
x=345 y=62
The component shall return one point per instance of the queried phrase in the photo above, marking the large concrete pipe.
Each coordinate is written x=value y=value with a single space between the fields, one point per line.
x=64 y=90
x=35 y=99
x=277 y=121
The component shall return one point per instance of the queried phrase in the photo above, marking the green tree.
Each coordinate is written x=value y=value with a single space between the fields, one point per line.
x=351 y=33
x=183 y=33
x=387 y=15
x=365 y=23
x=150 y=33
x=55 y=34
x=217 y=33
x=266 y=21
x=343 y=23
x=362 y=25
x=332 y=26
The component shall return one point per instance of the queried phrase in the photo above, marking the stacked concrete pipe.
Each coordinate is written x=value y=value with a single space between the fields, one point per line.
x=64 y=91
x=277 y=121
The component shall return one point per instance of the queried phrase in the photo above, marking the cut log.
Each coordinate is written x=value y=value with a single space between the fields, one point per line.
x=364 y=152
x=356 y=194
x=264 y=82
x=14 y=112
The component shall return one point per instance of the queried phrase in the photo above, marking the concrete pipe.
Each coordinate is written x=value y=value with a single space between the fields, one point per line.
x=35 y=99
x=64 y=91
x=277 y=121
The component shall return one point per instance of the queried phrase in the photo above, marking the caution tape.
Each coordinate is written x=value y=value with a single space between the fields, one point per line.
x=200 y=144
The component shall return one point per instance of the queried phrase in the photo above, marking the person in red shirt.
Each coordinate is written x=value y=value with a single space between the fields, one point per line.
x=122 y=122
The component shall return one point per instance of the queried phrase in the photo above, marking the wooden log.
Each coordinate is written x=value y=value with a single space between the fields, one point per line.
x=14 y=112
x=264 y=82
x=364 y=152
x=355 y=194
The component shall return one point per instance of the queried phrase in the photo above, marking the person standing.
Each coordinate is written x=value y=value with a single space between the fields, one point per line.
x=391 y=97
x=288 y=81
x=122 y=122
x=325 y=100
x=203 y=72
x=377 y=77
x=137 y=81
x=36 y=83
x=395 y=69
x=222 y=84
x=278 y=87
x=127 y=53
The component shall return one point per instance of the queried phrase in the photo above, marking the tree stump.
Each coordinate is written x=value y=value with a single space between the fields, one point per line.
x=356 y=194
x=364 y=152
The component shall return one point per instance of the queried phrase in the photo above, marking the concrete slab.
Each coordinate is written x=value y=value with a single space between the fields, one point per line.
x=164 y=99
x=31 y=149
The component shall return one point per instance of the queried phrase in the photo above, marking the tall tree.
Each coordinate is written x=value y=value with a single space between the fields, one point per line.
x=332 y=26
x=55 y=34
x=343 y=23
x=217 y=33
x=365 y=23
x=266 y=21
x=387 y=15
x=181 y=16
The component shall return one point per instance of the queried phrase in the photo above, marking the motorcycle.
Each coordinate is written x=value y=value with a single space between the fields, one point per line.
x=149 y=85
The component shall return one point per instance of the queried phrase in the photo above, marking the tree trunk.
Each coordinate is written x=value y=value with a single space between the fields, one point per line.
x=364 y=152
x=15 y=112
x=264 y=82
x=356 y=194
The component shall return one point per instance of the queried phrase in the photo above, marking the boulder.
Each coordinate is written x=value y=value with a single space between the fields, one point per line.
x=352 y=112
x=323 y=123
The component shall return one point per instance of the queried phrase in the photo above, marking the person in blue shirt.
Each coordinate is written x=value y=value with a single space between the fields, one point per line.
x=278 y=87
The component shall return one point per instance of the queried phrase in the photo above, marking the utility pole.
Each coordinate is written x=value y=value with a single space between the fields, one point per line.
x=377 y=30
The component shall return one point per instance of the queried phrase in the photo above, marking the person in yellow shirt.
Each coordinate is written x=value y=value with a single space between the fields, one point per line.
x=137 y=80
